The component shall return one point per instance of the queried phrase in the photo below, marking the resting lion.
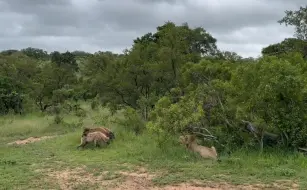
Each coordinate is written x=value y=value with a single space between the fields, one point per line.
x=190 y=142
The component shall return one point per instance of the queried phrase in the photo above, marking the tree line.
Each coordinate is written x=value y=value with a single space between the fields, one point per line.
x=172 y=81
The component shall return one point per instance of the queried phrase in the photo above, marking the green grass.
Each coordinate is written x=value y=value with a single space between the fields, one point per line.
x=26 y=166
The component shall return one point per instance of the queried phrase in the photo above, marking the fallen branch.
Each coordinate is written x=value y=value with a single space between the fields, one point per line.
x=203 y=128
x=211 y=136
x=303 y=149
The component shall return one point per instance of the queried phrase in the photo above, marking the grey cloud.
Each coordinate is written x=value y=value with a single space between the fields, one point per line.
x=291 y=3
x=250 y=41
x=254 y=35
x=160 y=1
x=248 y=50
x=28 y=6
x=113 y=24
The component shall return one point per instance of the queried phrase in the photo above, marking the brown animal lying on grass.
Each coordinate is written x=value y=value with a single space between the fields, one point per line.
x=97 y=137
x=103 y=130
x=190 y=142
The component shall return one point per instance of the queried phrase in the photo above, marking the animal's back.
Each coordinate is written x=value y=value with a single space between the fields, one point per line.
x=96 y=135
x=104 y=130
x=207 y=152
x=100 y=129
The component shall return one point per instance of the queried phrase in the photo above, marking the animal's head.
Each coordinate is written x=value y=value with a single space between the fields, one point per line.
x=183 y=139
x=187 y=139
x=111 y=135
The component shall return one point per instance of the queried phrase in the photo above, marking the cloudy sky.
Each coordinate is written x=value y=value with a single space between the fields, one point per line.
x=243 y=26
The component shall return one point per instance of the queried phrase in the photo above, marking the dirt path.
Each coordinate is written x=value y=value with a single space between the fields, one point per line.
x=30 y=140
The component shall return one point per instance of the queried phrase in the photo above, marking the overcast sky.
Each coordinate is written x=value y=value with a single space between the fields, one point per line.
x=243 y=26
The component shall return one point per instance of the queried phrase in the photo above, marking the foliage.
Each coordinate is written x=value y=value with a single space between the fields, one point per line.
x=35 y=53
x=171 y=81
x=273 y=91
x=58 y=119
x=289 y=45
x=131 y=121
x=298 y=19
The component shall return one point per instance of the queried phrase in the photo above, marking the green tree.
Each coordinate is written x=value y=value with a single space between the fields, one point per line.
x=35 y=53
x=272 y=93
x=150 y=68
x=289 y=45
x=17 y=72
x=56 y=81
x=65 y=60
x=8 y=52
x=298 y=19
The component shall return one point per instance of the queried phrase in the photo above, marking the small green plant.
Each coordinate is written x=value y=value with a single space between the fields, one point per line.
x=285 y=172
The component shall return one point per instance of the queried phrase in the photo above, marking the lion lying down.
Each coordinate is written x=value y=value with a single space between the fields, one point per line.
x=190 y=142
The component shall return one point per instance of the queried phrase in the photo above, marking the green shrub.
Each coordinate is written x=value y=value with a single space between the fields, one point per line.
x=131 y=120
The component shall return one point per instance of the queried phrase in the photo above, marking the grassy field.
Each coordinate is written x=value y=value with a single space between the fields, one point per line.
x=130 y=162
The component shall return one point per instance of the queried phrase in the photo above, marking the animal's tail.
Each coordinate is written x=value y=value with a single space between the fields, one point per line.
x=213 y=148
x=218 y=158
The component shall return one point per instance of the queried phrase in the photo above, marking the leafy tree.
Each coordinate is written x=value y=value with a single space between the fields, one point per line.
x=8 y=52
x=272 y=92
x=56 y=81
x=16 y=72
x=81 y=53
x=35 y=53
x=298 y=19
x=10 y=95
x=65 y=60
x=150 y=68
x=231 y=56
x=287 y=46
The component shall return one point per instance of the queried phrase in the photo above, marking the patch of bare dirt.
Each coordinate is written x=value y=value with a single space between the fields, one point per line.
x=69 y=179
x=73 y=178
x=285 y=184
x=30 y=140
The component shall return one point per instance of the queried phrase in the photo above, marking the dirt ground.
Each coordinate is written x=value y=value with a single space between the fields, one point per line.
x=30 y=140
x=70 y=179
